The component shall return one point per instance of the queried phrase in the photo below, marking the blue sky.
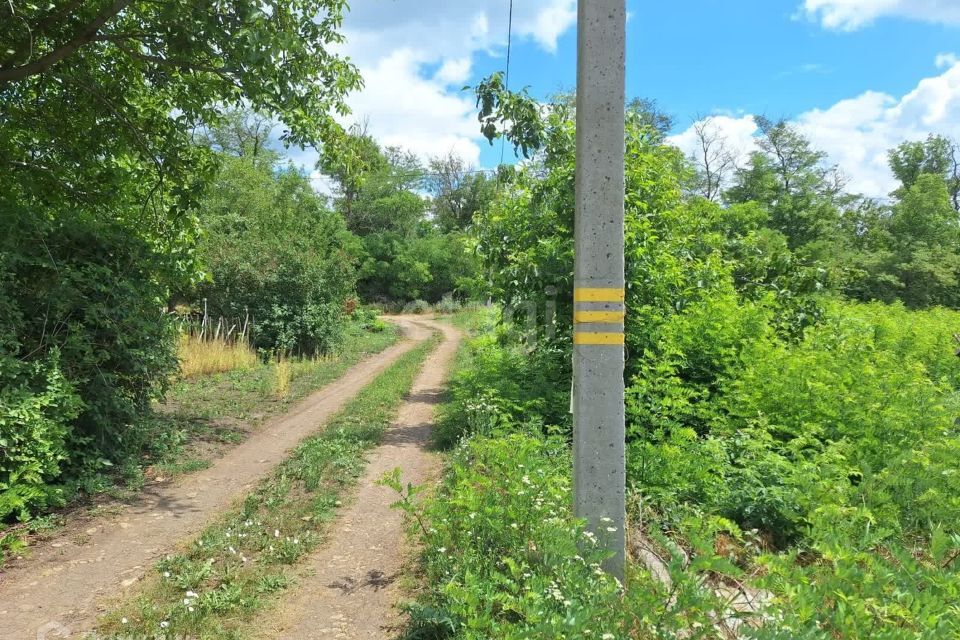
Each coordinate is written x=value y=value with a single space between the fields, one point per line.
x=756 y=56
x=857 y=76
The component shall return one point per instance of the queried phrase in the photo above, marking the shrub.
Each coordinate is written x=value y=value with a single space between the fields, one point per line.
x=417 y=307
x=88 y=347
x=502 y=383
x=37 y=406
x=505 y=558
x=276 y=253
x=448 y=304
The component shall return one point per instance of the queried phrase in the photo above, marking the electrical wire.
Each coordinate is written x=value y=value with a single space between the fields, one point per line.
x=506 y=81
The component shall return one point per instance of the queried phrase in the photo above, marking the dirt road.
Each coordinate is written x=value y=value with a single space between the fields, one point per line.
x=55 y=592
x=350 y=584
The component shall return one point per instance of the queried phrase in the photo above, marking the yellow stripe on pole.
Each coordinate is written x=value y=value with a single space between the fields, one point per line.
x=599 y=316
x=587 y=337
x=589 y=294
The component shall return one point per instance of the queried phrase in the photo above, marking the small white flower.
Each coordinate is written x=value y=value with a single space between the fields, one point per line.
x=514 y=525
x=232 y=550
x=166 y=574
x=190 y=609
x=124 y=621
x=612 y=529
x=164 y=624
x=276 y=533
x=191 y=594
x=442 y=549
x=607 y=636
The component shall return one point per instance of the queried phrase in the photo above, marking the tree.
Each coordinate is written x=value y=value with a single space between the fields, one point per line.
x=712 y=159
x=790 y=179
x=909 y=251
x=356 y=157
x=937 y=155
x=458 y=191
x=275 y=251
x=137 y=79
x=649 y=114
x=241 y=132
x=102 y=106
x=926 y=244
x=405 y=254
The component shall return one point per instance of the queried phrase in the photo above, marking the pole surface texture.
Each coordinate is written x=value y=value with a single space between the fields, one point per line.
x=599 y=310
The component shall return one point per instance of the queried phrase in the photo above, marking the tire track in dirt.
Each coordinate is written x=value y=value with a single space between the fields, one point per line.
x=349 y=586
x=55 y=592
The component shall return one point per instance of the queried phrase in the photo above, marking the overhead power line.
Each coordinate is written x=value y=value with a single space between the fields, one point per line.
x=506 y=80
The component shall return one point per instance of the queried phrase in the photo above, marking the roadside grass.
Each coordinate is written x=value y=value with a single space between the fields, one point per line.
x=207 y=413
x=200 y=417
x=215 y=586
x=203 y=357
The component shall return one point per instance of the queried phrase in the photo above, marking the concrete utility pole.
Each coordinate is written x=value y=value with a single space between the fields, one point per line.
x=599 y=471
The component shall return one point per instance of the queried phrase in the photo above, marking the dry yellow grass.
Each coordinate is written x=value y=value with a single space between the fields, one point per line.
x=282 y=375
x=200 y=357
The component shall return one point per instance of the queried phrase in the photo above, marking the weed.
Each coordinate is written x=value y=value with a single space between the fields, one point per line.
x=282 y=375
x=202 y=357
x=417 y=307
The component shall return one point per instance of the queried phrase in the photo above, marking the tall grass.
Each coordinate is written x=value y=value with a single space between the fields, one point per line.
x=201 y=357
x=282 y=375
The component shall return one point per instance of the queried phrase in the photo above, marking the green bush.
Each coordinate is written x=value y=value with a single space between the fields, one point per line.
x=448 y=304
x=86 y=348
x=505 y=558
x=417 y=307
x=275 y=253
x=502 y=383
x=368 y=320
x=828 y=462
x=37 y=407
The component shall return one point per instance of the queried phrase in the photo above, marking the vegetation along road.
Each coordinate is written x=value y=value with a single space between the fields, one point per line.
x=66 y=583
x=231 y=308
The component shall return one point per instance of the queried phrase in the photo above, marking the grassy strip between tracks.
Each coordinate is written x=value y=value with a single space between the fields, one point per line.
x=240 y=563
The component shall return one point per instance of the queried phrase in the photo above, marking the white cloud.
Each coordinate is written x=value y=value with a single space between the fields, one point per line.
x=417 y=113
x=858 y=132
x=945 y=60
x=416 y=55
x=454 y=71
x=849 y=15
